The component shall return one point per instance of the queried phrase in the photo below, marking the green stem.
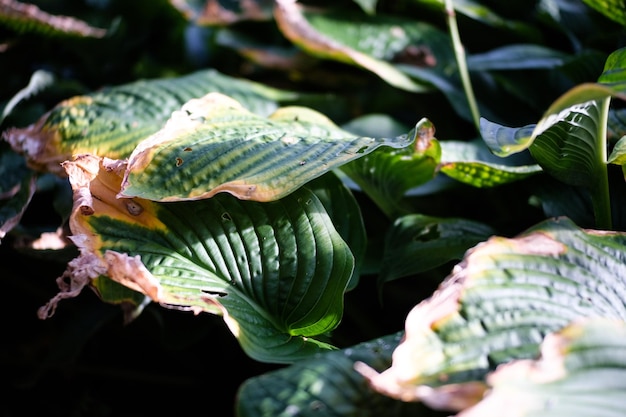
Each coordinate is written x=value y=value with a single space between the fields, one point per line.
x=600 y=195
x=459 y=53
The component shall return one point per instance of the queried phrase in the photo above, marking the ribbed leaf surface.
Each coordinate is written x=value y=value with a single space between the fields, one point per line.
x=503 y=299
x=345 y=214
x=216 y=145
x=581 y=372
x=567 y=146
x=327 y=385
x=111 y=122
x=276 y=271
x=416 y=243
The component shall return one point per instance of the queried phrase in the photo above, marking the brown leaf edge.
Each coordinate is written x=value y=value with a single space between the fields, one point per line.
x=410 y=379
x=87 y=173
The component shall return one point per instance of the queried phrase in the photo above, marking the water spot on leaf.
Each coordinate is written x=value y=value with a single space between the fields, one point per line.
x=134 y=208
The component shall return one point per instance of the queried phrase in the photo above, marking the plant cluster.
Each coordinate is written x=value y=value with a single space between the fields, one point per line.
x=401 y=208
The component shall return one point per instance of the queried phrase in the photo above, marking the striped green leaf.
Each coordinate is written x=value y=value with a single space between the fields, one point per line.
x=215 y=145
x=275 y=271
x=473 y=164
x=111 y=122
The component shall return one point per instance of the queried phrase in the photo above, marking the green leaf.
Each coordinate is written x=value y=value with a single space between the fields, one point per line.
x=516 y=57
x=502 y=300
x=581 y=372
x=613 y=9
x=28 y=18
x=215 y=145
x=345 y=214
x=368 y=6
x=567 y=147
x=39 y=80
x=111 y=122
x=370 y=42
x=472 y=163
x=416 y=243
x=387 y=174
x=275 y=271
x=325 y=385
x=504 y=141
x=618 y=154
x=483 y=14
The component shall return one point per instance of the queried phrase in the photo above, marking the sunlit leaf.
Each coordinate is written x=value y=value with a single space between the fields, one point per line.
x=326 y=385
x=368 y=6
x=472 y=163
x=500 y=302
x=504 y=141
x=581 y=372
x=567 y=146
x=111 y=122
x=416 y=243
x=38 y=81
x=613 y=9
x=368 y=42
x=29 y=18
x=275 y=271
x=387 y=174
x=215 y=145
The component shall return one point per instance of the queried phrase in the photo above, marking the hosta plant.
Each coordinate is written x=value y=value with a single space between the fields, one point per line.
x=220 y=195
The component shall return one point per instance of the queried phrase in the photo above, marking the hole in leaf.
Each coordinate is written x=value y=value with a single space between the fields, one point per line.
x=187 y=149
x=226 y=217
x=179 y=161
x=215 y=293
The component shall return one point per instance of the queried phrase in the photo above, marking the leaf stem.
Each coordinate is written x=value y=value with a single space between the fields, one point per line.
x=601 y=198
x=459 y=53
